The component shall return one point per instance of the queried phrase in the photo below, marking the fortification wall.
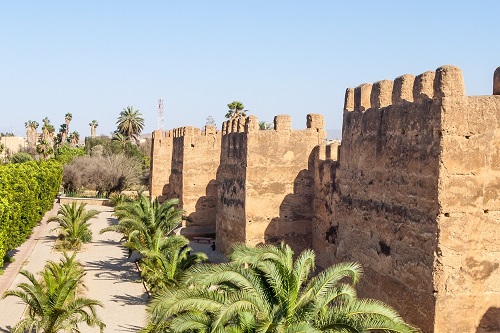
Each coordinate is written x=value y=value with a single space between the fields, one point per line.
x=467 y=274
x=266 y=189
x=231 y=180
x=413 y=198
x=189 y=174
x=280 y=186
x=384 y=203
x=161 y=162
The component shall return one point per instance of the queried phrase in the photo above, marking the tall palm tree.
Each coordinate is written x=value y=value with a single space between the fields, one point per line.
x=130 y=123
x=74 y=138
x=48 y=131
x=31 y=127
x=236 y=110
x=63 y=134
x=93 y=125
x=264 y=290
x=45 y=148
x=53 y=304
x=74 y=225
x=67 y=118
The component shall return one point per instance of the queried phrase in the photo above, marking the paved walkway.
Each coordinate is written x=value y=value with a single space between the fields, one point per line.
x=110 y=278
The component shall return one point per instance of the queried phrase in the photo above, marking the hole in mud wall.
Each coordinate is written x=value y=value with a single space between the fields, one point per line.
x=331 y=234
x=384 y=248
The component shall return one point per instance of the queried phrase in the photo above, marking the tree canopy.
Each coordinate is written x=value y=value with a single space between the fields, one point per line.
x=130 y=123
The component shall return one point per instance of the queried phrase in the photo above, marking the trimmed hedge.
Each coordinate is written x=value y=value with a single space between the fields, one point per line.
x=27 y=191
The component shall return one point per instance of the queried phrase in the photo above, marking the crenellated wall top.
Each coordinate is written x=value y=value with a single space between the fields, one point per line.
x=281 y=122
x=445 y=81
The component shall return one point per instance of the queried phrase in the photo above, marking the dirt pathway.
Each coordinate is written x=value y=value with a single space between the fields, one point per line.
x=110 y=278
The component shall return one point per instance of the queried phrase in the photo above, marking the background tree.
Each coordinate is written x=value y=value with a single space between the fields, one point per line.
x=31 y=127
x=130 y=123
x=74 y=138
x=263 y=125
x=210 y=121
x=48 y=131
x=62 y=136
x=93 y=125
x=67 y=118
x=236 y=110
x=45 y=149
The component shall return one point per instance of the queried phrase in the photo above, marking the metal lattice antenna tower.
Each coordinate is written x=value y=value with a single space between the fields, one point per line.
x=160 y=113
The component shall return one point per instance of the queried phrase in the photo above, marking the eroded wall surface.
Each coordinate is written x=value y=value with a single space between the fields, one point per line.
x=265 y=187
x=161 y=162
x=385 y=198
x=413 y=197
x=411 y=193
x=467 y=274
x=231 y=181
x=184 y=166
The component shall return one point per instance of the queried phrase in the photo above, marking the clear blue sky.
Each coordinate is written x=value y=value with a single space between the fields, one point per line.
x=93 y=58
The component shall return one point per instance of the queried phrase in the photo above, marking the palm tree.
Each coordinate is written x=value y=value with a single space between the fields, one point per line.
x=74 y=225
x=74 y=138
x=147 y=228
x=264 y=290
x=48 y=131
x=236 y=110
x=53 y=304
x=165 y=259
x=45 y=148
x=63 y=134
x=130 y=123
x=93 y=125
x=121 y=139
x=67 y=118
x=141 y=214
x=31 y=127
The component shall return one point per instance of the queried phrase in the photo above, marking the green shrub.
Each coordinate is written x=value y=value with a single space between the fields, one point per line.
x=21 y=158
x=65 y=153
x=27 y=191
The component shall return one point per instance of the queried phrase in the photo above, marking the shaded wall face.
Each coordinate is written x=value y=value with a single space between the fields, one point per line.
x=280 y=187
x=325 y=224
x=231 y=182
x=468 y=266
x=176 y=179
x=383 y=205
x=161 y=162
x=200 y=163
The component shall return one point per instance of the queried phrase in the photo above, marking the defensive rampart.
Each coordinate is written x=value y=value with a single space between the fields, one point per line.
x=184 y=166
x=265 y=187
x=413 y=198
x=412 y=193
